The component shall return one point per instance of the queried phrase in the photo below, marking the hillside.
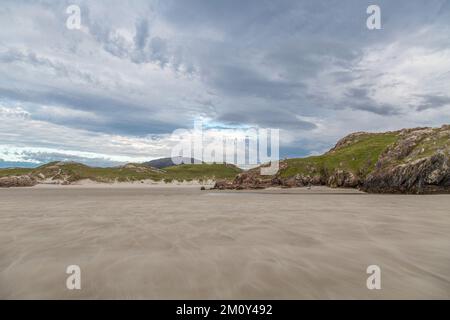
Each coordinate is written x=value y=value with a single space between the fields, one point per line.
x=70 y=172
x=404 y=161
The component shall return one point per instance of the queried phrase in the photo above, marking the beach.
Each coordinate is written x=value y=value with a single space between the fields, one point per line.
x=178 y=242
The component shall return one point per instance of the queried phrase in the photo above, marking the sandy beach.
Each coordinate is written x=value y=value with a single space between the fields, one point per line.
x=179 y=242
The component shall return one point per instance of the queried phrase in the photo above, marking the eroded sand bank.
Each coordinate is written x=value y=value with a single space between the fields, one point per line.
x=180 y=242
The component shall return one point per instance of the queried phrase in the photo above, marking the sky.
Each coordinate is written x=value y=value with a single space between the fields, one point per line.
x=114 y=90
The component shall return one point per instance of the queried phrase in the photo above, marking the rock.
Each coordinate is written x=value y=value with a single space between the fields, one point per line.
x=341 y=178
x=17 y=181
x=405 y=168
x=426 y=175
x=247 y=180
x=223 y=185
x=316 y=180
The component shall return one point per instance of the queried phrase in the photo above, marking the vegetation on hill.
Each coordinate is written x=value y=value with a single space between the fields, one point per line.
x=358 y=154
x=405 y=161
x=68 y=172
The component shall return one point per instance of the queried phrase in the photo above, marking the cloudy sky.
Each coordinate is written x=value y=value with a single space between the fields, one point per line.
x=114 y=90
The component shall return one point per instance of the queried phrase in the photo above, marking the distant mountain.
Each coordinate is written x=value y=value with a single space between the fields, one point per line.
x=169 y=162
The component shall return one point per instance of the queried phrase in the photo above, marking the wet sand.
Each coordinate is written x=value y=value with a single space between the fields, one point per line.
x=180 y=242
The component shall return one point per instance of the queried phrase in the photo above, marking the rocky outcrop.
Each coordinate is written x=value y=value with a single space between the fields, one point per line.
x=17 y=181
x=426 y=175
x=247 y=180
x=341 y=178
x=252 y=180
x=418 y=161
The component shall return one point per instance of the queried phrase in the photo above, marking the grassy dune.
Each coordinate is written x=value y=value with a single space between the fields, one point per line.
x=71 y=172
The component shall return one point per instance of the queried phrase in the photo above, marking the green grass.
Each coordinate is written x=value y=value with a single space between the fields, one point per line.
x=76 y=171
x=14 y=171
x=430 y=145
x=358 y=157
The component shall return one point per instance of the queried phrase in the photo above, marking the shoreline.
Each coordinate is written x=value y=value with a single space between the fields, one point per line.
x=209 y=186
x=87 y=183
x=314 y=190
x=194 y=184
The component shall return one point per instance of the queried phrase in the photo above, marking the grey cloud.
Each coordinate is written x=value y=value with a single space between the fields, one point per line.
x=142 y=34
x=111 y=41
x=357 y=93
x=118 y=117
x=29 y=57
x=433 y=101
x=275 y=119
x=144 y=48
x=380 y=109
x=359 y=99
x=238 y=80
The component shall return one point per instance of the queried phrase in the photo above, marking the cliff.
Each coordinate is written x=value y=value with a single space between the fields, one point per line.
x=405 y=161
